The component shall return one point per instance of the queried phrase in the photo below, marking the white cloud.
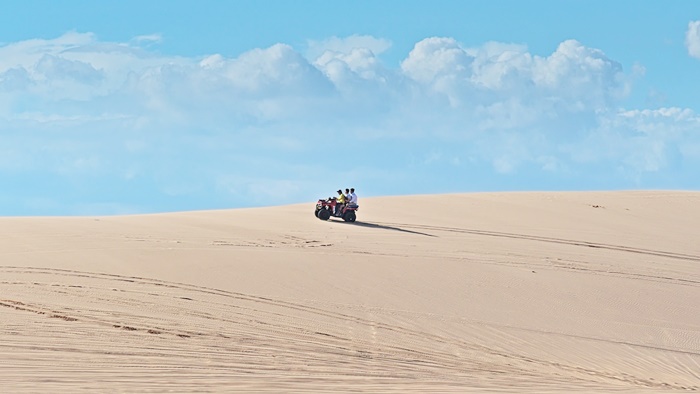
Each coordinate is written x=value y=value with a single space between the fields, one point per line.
x=674 y=114
x=274 y=71
x=213 y=61
x=148 y=39
x=692 y=39
x=26 y=53
x=52 y=67
x=361 y=62
x=360 y=79
x=437 y=58
x=579 y=73
x=575 y=77
x=500 y=66
x=346 y=45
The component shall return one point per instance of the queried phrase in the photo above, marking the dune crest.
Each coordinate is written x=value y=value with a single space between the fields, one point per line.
x=511 y=292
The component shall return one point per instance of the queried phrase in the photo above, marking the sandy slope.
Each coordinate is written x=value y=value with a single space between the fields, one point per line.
x=511 y=292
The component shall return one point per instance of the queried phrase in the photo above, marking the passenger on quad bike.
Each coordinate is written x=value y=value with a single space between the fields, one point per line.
x=352 y=196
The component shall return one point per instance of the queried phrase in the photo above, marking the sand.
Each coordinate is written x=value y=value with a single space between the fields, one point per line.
x=483 y=292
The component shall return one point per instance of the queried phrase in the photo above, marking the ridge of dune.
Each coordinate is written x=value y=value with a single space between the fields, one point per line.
x=525 y=292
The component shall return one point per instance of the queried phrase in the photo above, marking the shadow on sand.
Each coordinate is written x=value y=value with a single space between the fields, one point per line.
x=379 y=226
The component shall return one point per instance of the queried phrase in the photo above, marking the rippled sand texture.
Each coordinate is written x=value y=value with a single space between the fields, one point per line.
x=507 y=292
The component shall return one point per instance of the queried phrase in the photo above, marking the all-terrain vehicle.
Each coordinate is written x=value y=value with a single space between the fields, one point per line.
x=327 y=208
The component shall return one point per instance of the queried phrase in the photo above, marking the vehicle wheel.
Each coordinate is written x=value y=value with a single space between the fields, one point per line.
x=349 y=216
x=316 y=212
x=324 y=214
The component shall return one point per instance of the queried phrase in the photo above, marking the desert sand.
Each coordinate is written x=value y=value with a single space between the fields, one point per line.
x=483 y=292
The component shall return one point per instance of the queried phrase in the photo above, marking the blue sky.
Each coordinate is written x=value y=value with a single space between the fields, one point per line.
x=116 y=107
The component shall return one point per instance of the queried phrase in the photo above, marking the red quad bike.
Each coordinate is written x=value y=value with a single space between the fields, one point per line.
x=326 y=208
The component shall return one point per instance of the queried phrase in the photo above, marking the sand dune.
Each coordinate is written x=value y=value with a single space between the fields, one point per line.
x=506 y=292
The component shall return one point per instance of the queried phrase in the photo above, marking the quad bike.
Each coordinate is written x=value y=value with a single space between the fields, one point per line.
x=327 y=208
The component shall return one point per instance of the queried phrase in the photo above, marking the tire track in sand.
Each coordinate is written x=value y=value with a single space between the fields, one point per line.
x=564 y=241
x=294 y=336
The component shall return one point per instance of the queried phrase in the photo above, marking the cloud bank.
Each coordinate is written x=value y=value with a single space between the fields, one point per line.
x=110 y=124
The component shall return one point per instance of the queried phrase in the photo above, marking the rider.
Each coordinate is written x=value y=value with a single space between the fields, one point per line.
x=353 y=197
x=340 y=201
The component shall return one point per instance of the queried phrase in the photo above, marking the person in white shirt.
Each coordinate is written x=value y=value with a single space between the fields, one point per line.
x=353 y=196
